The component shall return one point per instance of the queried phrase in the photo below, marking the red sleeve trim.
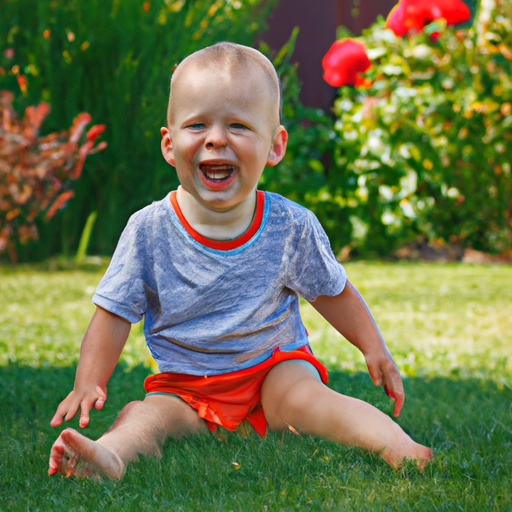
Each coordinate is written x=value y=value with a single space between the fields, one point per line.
x=222 y=245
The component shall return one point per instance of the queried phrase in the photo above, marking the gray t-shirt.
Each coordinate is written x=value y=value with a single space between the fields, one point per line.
x=211 y=310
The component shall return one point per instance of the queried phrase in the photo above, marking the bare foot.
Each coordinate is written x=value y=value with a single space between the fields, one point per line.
x=409 y=450
x=73 y=454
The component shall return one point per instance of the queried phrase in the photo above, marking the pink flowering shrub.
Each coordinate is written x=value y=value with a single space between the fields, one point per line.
x=37 y=173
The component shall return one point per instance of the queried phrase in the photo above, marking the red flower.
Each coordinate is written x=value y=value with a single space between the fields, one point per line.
x=344 y=61
x=416 y=14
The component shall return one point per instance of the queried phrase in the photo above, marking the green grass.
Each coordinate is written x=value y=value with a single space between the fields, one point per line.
x=448 y=326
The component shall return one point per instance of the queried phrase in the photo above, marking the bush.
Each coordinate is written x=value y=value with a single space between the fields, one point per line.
x=308 y=170
x=36 y=173
x=426 y=150
x=112 y=59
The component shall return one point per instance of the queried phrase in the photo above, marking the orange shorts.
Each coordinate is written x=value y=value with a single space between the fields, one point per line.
x=230 y=398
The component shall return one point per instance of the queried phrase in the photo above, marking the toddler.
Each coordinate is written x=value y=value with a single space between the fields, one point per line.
x=215 y=269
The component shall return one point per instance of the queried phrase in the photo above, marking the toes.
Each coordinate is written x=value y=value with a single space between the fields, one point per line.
x=62 y=457
x=67 y=437
x=75 y=455
x=56 y=455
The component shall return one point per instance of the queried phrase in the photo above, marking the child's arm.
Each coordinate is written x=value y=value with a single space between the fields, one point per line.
x=350 y=316
x=101 y=347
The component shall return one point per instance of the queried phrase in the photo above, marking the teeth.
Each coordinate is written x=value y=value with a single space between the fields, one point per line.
x=220 y=172
x=218 y=175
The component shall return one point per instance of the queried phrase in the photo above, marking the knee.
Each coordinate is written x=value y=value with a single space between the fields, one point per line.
x=299 y=399
x=122 y=415
x=296 y=402
x=129 y=406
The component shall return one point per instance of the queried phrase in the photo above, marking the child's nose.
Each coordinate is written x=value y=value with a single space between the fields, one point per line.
x=215 y=138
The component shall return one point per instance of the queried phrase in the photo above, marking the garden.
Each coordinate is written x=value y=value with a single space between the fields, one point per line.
x=412 y=163
x=447 y=325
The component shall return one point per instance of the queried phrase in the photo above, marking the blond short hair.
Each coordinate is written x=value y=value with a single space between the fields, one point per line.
x=233 y=57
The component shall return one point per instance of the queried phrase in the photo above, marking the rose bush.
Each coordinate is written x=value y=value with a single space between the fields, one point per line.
x=426 y=150
x=305 y=172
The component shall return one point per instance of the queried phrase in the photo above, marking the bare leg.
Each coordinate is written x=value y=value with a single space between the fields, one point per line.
x=291 y=395
x=140 y=428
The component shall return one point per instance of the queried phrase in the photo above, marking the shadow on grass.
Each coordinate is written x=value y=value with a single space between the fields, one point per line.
x=467 y=422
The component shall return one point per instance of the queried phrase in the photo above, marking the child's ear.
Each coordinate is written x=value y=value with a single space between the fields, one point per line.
x=166 y=144
x=278 y=148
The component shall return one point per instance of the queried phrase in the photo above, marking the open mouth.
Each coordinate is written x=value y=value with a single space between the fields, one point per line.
x=217 y=174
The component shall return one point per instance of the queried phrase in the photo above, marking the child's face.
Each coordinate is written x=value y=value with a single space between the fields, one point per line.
x=223 y=130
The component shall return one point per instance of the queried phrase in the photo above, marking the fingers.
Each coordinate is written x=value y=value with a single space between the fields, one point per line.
x=74 y=401
x=84 y=415
x=56 y=420
x=399 y=400
x=375 y=375
x=384 y=372
x=376 y=378
x=97 y=401
x=67 y=407
x=99 y=404
x=85 y=408
x=395 y=389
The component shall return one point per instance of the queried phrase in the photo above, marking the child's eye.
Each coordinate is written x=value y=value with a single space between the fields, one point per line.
x=196 y=126
x=238 y=126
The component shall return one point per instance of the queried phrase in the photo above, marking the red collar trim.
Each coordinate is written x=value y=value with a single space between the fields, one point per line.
x=222 y=245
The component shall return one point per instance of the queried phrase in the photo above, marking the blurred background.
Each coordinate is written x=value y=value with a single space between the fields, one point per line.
x=408 y=157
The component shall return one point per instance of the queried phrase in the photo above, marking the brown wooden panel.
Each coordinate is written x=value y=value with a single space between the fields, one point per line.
x=357 y=15
x=317 y=20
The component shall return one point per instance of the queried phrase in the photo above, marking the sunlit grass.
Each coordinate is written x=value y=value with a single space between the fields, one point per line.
x=44 y=314
x=448 y=326
x=437 y=320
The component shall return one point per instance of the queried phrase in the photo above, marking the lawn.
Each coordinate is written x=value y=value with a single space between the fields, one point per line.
x=448 y=326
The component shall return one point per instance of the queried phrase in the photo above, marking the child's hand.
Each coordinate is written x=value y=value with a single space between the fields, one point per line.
x=84 y=400
x=101 y=347
x=383 y=371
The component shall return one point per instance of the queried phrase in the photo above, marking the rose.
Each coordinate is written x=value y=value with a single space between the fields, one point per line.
x=344 y=62
x=415 y=14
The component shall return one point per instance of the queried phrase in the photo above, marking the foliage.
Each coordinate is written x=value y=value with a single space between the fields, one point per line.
x=447 y=325
x=113 y=59
x=306 y=170
x=427 y=148
x=422 y=153
x=37 y=173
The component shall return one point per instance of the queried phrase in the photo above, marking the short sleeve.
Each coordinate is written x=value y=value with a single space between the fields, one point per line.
x=313 y=269
x=122 y=290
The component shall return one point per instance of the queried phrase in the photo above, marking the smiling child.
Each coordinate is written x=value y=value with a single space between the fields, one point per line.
x=215 y=269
